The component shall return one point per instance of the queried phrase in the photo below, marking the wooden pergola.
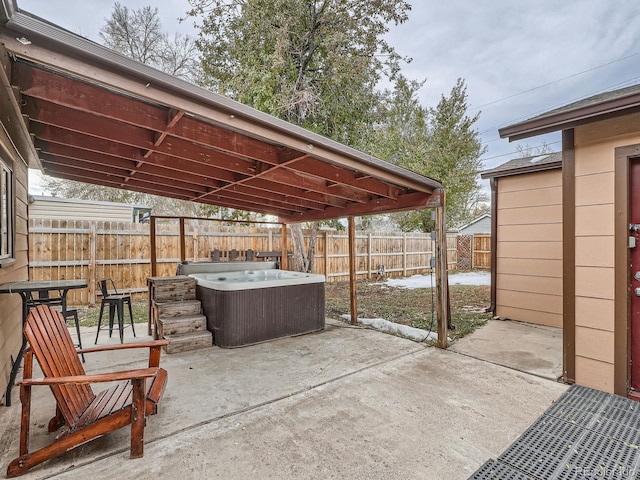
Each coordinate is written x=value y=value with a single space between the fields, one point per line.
x=97 y=117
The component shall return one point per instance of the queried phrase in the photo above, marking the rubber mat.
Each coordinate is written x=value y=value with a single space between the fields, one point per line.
x=586 y=433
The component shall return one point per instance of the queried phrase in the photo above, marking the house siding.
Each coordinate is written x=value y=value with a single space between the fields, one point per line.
x=595 y=296
x=481 y=226
x=11 y=305
x=70 y=210
x=529 y=248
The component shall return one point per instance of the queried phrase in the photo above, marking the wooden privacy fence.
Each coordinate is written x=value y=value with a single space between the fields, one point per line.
x=92 y=250
x=474 y=251
x=481 y=251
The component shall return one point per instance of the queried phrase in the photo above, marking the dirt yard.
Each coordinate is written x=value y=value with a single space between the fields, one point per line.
x=411 y=307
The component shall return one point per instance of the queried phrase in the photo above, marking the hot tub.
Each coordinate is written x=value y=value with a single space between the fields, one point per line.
x=251 y=306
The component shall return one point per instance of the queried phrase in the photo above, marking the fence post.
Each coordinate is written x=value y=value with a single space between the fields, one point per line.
x=92 y=262
x=369 y=256
x=196 y=249
x=326 y=255
x=404 y=254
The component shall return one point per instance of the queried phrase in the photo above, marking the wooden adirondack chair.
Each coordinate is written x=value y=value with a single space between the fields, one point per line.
x=83 y=414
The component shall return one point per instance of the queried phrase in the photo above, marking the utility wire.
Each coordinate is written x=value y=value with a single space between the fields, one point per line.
x=555 y=81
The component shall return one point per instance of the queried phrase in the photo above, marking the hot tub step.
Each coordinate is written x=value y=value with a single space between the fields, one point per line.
x=183 y=342
x=183 y=324
x=178 y=309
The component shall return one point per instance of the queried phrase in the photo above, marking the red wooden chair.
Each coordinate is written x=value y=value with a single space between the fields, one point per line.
x=83 y=414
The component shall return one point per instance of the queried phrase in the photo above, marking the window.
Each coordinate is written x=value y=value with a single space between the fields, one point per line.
x=6 y=211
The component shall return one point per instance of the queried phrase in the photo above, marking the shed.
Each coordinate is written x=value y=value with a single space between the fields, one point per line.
x=44 y=207
x=481 y=224
x=526 y=199
x=600 y=230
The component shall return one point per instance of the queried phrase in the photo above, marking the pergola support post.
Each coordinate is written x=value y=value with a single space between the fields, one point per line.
x=154 y=254
x=353 y=271
x=284 y=259
x=442 y=280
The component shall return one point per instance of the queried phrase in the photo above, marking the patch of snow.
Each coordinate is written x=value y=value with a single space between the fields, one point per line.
x=412 y=333
x=539 y=158
x=426 y=281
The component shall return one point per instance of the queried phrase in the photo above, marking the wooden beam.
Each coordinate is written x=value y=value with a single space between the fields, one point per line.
x=442 y=287
x=353 y=271
x=83 y=96
x=152 y=242
x=310 y=166
x=409 y=201
x=183 y=249
x=284 y=244
x=173 y=151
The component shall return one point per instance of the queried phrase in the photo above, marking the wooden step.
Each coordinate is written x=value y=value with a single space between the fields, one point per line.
x=174 y=289
x=178 y=308
x=183 y=342
x=183 y=324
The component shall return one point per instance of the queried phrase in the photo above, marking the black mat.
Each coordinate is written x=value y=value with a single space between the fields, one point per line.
x=585 y=434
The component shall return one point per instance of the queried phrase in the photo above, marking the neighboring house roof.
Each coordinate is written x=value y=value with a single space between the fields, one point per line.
x=597 y=107
x=47 y=198
x=534 y=163
x=475 y=221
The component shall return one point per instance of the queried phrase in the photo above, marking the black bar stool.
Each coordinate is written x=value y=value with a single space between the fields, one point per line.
x=115 y=302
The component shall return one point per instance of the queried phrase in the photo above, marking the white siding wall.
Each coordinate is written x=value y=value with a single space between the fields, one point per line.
x=60 y=209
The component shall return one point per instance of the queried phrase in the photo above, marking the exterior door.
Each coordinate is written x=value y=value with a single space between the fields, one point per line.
x=634 y=281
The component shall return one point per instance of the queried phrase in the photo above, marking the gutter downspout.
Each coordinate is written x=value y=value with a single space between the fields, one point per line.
x=494 y=243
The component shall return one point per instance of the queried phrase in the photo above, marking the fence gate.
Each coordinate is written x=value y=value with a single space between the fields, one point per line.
x=465 y=252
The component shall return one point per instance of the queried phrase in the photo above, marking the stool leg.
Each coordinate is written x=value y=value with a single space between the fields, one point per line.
x=112 y=311
x=121 y=320
x=131 y=317
x=99 y=322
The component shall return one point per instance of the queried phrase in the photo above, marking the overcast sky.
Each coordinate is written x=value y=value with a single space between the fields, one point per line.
x=500 y=47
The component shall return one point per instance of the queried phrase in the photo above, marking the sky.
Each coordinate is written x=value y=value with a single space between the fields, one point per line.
x=518 y=58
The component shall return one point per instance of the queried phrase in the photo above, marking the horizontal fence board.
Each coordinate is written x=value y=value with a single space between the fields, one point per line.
x=94 y=250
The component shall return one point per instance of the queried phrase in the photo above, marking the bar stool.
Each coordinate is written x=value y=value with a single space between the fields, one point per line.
x=115 y=302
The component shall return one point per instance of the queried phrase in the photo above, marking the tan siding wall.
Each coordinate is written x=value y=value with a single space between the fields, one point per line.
x=10 y=305
x=594 y=247
x=529 y=248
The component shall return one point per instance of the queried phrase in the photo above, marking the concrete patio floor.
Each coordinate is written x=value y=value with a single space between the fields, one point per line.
x=530 y=348
x=342 y=403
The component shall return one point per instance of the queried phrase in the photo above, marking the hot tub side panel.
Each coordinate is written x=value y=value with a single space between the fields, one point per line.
x=243 y=317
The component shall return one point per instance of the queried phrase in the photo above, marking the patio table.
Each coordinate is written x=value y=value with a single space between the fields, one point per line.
x=26 y=289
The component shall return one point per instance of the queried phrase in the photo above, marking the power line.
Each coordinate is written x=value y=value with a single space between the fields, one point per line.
x=601 y=90
x=514 y=152
x=555 y=81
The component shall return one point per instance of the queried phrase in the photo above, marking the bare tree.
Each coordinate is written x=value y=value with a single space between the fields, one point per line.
x=138 y=34
x=529 y=151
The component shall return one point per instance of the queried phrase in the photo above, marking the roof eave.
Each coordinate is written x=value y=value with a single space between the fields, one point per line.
x=521 y=170
x=572 y=118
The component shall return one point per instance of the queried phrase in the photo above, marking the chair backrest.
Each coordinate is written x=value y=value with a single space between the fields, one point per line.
x=47 y=333
x=107 y=287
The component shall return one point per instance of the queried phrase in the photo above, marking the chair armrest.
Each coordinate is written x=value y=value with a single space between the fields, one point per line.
x=125 y=346
x=94 y=378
